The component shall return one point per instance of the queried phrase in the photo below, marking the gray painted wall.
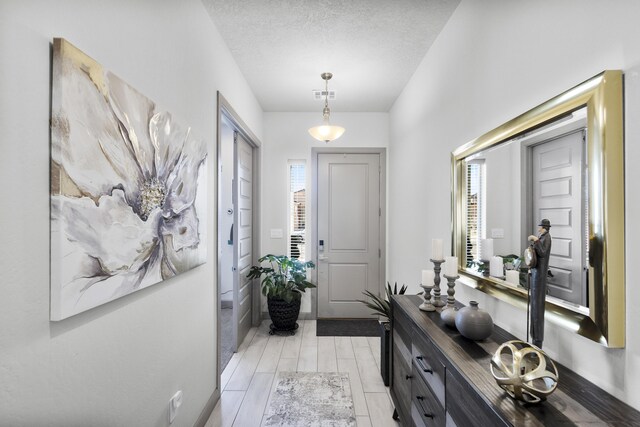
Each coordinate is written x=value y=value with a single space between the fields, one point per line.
x=118 y=364
x=493 y=61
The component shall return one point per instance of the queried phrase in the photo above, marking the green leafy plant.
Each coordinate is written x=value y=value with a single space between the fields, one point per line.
x=284 y=278
x=382 y=306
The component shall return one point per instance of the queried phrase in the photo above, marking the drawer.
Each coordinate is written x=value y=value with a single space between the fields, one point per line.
x=425 y=408
x=401 y=385
x=428 y=365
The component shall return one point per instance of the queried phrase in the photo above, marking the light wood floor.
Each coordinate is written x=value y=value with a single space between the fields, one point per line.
x=248 y=379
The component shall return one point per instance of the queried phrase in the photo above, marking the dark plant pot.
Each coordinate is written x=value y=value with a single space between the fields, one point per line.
x=385 y=349
x=284 y=314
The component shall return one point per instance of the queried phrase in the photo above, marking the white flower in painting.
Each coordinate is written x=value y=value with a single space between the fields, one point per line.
x=128 y=178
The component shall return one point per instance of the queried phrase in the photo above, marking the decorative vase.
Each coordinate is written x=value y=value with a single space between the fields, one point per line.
x=474 y=323
x=283 y=314
x=448 y=316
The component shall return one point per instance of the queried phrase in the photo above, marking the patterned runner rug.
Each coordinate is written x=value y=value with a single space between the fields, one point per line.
x=313 y=399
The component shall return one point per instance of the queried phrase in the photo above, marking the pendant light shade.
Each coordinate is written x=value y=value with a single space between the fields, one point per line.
x=326 y=132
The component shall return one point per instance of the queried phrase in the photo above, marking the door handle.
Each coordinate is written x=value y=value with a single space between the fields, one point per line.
x=323 y=258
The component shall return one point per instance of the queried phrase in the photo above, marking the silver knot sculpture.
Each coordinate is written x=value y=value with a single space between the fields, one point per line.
x=524 y=371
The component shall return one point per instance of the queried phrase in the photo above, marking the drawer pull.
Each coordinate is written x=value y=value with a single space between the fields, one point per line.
x=422 y=365
x=408 y=377
x=424 y=413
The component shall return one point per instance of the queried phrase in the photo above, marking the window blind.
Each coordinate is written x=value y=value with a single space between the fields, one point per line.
x=297 y=209
x=475 y=208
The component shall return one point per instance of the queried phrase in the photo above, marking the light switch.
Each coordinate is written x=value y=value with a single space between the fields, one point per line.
x=497 y=233
x=276 y=233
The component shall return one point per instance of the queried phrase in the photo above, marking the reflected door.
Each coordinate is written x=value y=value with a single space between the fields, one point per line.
x=243 y=233
x=558 y=195
x=348 y=232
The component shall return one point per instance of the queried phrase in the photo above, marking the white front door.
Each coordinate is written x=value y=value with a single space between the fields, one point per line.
x=348 y=246
x=558 y=195
x=242 y=235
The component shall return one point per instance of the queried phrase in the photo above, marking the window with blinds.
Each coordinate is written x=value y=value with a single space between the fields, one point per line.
x=476 y=207
x=297 y=209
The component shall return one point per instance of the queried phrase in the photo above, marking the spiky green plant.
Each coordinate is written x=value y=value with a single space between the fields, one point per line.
x=284 y=278
x=382 y=306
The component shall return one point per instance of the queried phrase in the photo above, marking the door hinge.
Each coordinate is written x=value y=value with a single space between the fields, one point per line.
x=379 y=253
x=379 y=211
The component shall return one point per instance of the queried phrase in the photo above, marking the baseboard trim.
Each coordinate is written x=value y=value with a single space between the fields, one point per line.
x=208 y=409
x=226 y=304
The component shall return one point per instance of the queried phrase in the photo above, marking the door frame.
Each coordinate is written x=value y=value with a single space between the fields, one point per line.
x=313 y=243
x=224 y=109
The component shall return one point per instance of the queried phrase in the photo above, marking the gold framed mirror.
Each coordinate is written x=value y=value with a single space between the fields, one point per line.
x=562 y=160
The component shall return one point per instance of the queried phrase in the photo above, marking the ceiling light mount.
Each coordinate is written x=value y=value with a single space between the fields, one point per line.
x=326 y=132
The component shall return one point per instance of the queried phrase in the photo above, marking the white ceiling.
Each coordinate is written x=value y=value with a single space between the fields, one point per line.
x=372 y=47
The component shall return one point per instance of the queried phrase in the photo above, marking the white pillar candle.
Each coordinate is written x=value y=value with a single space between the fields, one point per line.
x=451 y=266
x=428 y=277
x=486 y=249
x=436 y=249
x=496 y=266
x=513 y=277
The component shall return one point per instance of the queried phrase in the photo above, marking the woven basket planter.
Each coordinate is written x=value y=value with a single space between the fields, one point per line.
x=284 y=314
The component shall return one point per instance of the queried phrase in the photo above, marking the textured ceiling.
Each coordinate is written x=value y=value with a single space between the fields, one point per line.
x=372 y=47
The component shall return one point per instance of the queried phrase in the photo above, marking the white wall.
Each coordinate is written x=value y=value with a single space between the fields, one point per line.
x=493 y=61
x=120 y=363
x=286 y=137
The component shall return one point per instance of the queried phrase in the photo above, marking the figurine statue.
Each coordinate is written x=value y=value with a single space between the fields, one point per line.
x=542 y=247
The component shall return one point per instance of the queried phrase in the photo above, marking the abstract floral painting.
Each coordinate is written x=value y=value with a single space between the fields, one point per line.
x=128 y=188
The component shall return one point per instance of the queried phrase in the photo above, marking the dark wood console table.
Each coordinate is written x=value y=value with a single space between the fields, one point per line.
x=440 y=378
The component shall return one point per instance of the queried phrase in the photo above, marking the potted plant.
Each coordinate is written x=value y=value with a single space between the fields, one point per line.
x=382 y=307
x=284 y=281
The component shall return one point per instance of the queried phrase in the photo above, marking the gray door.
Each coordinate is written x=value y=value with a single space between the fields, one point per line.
x=558 y=195
x=349 y=230
x=242 y=236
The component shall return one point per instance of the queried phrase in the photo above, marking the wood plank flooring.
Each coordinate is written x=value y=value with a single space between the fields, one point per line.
x=248 y=379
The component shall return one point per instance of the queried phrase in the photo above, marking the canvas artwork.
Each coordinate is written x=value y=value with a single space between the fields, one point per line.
x=128 y=188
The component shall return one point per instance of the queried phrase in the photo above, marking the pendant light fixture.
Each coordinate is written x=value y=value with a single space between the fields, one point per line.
x=326 y=132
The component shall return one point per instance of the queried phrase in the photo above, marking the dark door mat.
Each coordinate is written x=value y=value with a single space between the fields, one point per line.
x=347 y=328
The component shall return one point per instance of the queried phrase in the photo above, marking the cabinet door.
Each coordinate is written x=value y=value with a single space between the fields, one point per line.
x=401 y=384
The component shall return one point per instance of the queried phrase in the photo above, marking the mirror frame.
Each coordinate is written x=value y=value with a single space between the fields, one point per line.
x=603 y=97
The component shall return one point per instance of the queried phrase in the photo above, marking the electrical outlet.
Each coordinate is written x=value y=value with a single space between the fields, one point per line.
x=174 y=404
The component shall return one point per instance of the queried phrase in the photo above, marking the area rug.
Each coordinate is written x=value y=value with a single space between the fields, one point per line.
x=347 y=328
x=311 y=399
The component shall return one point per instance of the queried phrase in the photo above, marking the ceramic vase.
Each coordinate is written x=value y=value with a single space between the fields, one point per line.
x=474 y=323
x=448 y=316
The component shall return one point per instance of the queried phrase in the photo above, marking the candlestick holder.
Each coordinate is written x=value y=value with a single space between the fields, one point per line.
x=426 y=305
x=451 y=283
x=437 y=301
x=448 y=315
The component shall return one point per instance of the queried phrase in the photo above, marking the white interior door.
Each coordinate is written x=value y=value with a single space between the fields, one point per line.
x=348 y=243
x=242 y=235
x=558 y=195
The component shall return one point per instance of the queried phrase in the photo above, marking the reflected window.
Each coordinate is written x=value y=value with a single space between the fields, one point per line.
x=476 y=207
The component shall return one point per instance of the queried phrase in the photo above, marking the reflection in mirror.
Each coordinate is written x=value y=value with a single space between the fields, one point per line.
x=511 y=187
x=562 y=161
